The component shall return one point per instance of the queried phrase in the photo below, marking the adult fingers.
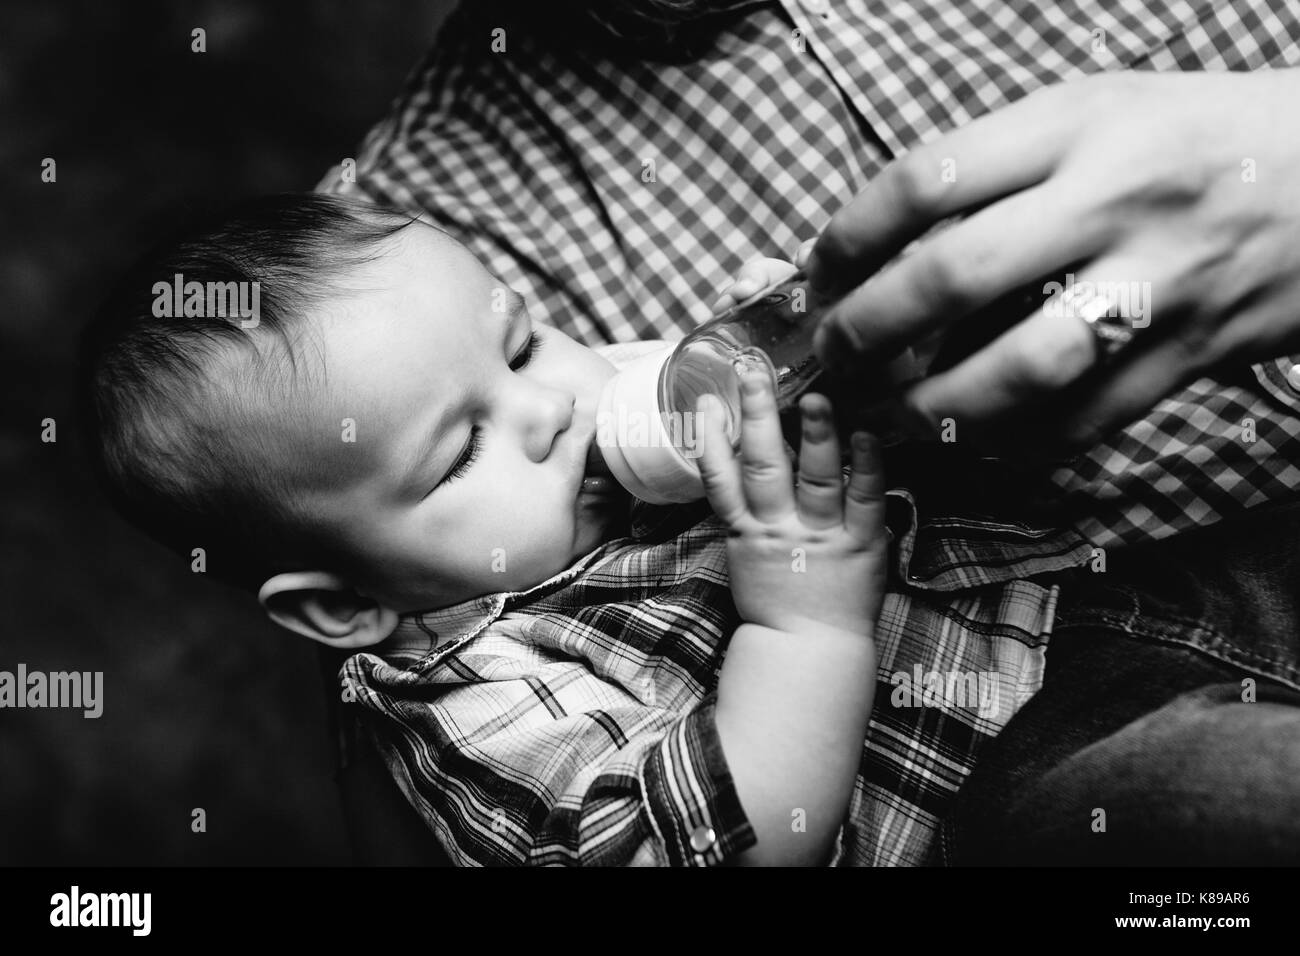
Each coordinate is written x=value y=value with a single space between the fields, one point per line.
x=1042 y=355
x=1004 y=246
x=1130 y=391
x=1000 y=153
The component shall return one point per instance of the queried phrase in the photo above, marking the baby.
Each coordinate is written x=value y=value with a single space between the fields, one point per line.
x=393 y=442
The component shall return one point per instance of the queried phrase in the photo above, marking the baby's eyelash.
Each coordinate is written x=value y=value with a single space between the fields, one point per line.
x=530 y=349
x=475 y=444
x=468 y=458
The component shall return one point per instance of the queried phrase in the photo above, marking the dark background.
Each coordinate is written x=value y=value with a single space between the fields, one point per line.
x=206 y=704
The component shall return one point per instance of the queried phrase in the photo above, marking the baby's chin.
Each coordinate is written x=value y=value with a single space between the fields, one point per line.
x=594 y=527
x=601 y=518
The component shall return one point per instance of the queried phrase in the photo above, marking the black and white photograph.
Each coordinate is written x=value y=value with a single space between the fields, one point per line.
x=652 y=433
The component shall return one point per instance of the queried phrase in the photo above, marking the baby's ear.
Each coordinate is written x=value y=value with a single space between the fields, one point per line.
x=326 y=608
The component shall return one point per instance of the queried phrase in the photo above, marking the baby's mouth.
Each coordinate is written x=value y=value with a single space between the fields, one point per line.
x=597 y=479
x=596 y=463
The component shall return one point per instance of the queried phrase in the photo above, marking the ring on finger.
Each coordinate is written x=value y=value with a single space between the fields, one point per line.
x=1111 y=330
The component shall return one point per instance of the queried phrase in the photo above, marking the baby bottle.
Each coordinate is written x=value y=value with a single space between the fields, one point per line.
x=645 y=423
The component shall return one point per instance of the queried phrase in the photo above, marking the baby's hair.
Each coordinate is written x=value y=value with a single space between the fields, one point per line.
x=163 y=393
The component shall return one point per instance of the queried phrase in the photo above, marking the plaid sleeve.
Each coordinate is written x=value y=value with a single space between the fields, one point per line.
x=689 y=794
x=512 y=763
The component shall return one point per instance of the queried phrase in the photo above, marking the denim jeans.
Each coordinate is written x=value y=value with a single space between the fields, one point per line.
x=1167 y=730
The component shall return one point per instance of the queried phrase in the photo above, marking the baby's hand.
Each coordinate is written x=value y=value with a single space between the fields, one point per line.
x=754 y=276
x=802 y=557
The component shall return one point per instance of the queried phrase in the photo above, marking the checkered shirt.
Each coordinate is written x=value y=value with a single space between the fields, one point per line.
x=618 y=198
x=573 y=723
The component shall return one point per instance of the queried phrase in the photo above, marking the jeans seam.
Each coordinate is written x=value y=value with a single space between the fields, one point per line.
x=1208 y=642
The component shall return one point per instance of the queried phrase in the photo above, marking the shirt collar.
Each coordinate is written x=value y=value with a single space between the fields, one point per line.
x=420 y=632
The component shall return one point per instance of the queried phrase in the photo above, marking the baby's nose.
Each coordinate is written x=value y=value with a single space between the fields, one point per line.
x=562 y=411
x=552 y=416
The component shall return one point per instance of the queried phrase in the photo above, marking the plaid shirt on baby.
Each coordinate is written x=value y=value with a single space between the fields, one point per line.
x=572 y=723
x=618 y=197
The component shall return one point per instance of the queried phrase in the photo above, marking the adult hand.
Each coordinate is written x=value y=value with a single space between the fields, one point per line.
x=1181 y=188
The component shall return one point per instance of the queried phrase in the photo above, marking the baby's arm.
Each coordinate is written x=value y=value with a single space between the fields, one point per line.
x=516 y=757
x=807 y=570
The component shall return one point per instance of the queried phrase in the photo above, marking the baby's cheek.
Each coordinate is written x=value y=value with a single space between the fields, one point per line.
x=583 y=361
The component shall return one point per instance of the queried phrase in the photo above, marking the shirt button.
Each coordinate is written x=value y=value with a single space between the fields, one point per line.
x=1293 y=376
x=703 y=838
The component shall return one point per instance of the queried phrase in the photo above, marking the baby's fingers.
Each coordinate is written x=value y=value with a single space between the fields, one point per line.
x=864 y=499
x=755 y=275
x=764 y=464
x=820 y=493
x=717 y=462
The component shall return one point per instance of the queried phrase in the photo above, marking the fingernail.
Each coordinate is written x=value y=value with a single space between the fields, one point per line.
x=813 y=412
x=752 y=379
x=816 y=426
x=805 y=247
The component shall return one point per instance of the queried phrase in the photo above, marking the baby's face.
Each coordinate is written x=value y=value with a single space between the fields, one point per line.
x=465 y=473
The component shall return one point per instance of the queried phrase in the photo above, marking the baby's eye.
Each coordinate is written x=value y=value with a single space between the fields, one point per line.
x=467 y=458
x=530 y=349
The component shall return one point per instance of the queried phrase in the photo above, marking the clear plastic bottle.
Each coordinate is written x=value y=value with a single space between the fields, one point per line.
x=645 y=422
